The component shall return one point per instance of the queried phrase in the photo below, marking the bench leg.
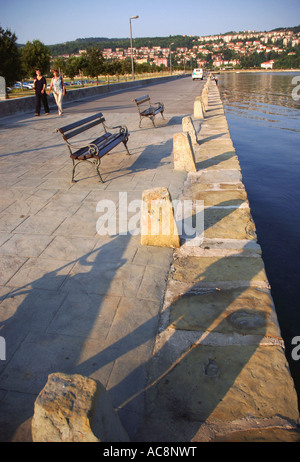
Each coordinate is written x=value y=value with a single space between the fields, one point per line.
x=125 y=144
x=152 y=118
x=97 y=168
x=162 y=114
x=73 y=171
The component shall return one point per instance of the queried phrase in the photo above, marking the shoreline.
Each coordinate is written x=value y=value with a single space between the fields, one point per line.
x=269 y=71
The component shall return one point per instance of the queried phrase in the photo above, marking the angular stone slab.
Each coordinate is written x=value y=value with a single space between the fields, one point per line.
x=208 y=177
x=211 y=384
x=198 y=108
x=158 y=225
x=219 y=198
x=222 y=223
x=183 y=153
x=219 y=269
x=219 y=161
x=188 y=126
x=261 y=435
x=244 y=311
x=73 y=408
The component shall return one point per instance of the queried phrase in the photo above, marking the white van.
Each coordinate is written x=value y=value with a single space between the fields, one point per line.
x=197 y=74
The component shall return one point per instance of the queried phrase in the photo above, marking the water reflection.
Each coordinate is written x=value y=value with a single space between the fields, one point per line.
x=264 y=123
x=266 y=97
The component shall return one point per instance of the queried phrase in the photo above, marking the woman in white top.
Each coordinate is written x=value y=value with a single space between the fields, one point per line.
x=57 y=83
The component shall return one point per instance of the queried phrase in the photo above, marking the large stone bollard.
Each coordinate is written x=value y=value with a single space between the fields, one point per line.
x=73 y=408
x=198 y=108
x=204 y=97
x=158 y=225
x=188 y=126
x=183 y=153
x=3 y=91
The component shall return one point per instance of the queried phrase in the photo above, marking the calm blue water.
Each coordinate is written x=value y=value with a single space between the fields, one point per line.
x=264 y=123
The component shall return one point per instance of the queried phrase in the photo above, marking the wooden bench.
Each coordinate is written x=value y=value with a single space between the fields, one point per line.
x=150 y=110
x=92 y=151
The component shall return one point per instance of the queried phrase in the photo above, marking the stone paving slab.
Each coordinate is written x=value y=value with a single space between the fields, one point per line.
x=245 y=311
x=74 y=300
x=221 y=384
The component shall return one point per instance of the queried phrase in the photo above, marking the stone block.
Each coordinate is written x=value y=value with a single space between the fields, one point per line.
x=243 y=310
x=188 y=126
x=198 y=108
x=73 y=408
x=204 y=97
x=221 y=384
x=218 y=270
x=158 y=225
x=183 y=153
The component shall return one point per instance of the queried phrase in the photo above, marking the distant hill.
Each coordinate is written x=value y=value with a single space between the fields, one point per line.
x=295 y=29
x=113 y=43
x=138 y=42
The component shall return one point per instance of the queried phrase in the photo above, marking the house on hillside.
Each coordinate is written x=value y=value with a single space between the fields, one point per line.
x=267 y=64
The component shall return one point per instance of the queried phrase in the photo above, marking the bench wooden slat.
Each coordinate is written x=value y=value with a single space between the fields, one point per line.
x=68 y=127
x=81 y=129
x=142 y=99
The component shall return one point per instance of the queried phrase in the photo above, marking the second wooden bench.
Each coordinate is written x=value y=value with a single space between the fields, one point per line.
x=146 y=109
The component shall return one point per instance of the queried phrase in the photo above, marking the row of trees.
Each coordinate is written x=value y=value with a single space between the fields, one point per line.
x=18 y=63
x=93 y=64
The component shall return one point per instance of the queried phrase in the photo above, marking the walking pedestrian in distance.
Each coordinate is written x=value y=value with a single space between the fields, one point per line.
x=59 y=90
x=40 y=85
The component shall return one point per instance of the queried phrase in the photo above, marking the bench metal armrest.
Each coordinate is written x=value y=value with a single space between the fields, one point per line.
x=122 y=128
x=93 y=148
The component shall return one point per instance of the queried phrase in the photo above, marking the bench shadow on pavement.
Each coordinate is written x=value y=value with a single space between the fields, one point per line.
x=62 y=323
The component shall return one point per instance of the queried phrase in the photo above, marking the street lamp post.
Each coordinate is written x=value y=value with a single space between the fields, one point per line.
x=132 y=66
x=171 y=57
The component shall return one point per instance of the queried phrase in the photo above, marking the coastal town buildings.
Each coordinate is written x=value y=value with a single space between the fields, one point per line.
x=223 y=50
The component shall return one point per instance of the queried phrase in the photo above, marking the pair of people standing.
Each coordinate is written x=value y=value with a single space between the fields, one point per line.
x=40 y=85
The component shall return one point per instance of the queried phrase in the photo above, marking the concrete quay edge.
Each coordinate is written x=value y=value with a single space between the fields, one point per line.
x=219 y=371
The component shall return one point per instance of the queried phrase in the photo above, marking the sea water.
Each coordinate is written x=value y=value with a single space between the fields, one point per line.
x=263 y=114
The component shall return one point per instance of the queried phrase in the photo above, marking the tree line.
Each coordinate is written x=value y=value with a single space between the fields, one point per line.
x=18 y=63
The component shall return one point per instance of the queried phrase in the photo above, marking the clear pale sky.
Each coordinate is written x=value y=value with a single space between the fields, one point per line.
x=57 y=21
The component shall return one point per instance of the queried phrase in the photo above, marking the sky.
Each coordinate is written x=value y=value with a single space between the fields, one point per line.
x=59 y=21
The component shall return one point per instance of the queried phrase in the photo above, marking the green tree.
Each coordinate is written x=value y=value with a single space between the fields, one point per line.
x=10 y=60
x=35 y=55
x=59 y=63
x=95 y=62
x=72 y=67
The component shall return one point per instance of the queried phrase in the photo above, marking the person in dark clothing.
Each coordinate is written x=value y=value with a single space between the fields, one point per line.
x=40 y=86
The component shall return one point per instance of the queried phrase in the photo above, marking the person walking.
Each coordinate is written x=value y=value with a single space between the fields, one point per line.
x=59 y=90
x=40 y=86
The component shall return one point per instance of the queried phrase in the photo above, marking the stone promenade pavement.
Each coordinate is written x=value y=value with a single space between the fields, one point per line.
x=130 y=316
x=73 y=300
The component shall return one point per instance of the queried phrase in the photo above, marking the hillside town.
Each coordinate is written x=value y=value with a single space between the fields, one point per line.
x=217 y=51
